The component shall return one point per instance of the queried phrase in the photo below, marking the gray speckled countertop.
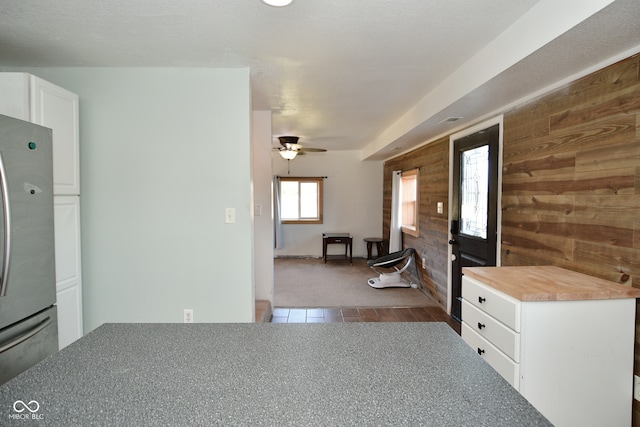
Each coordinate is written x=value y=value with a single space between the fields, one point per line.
x=267 y=374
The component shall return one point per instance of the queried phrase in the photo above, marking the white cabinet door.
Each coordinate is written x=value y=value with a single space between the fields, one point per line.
x=27 y=97
x=14 y=95
x=57 y=109
x=69 y=318
x=66 y=211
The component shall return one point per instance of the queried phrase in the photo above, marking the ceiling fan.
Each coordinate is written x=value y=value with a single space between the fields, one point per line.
x=291 y=148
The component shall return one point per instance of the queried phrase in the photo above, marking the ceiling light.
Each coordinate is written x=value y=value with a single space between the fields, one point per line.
x=277 y=3
x=288 y=154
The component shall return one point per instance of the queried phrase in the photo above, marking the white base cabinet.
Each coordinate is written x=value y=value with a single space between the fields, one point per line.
x=30 y=98
x=69 y=315
x=68 y=268
x=572 y=359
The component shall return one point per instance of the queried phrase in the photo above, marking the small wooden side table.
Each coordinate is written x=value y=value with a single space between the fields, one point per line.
x=379 y=246
x=337 y=238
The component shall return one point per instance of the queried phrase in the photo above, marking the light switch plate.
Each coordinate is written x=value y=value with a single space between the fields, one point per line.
x=636 y=387
x=229 y=216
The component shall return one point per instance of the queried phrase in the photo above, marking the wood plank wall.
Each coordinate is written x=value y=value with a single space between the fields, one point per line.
x=570 y=190
x=433 y=162
x=571 y=180
x=570 y=194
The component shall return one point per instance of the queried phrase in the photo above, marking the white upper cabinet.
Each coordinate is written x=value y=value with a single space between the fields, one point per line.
x=14 y=95
x=32 y=99
x=57 y=108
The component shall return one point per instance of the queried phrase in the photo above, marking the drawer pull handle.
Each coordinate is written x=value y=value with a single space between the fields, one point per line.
x=481 y=325
x=481 y=300
x=480 y=351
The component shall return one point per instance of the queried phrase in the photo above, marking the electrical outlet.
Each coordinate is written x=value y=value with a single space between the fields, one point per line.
x=188 y=315
x=636 y=387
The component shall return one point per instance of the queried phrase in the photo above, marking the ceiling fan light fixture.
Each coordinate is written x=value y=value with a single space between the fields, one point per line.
x=277 y=3
x=288 y=154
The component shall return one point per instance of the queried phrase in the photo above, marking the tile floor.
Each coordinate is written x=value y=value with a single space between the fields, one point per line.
x=332 y=315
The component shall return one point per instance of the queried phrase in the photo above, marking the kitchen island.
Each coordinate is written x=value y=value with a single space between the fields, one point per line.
x=266 y=374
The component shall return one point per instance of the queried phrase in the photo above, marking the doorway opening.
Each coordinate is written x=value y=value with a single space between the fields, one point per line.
x=474 y=216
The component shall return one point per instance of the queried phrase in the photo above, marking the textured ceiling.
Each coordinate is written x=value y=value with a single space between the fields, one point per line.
x=341 y=74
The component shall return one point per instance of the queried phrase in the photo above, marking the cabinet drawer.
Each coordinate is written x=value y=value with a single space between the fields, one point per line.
x=507 y=368
x=337 y=239
x=503 y=307
x=505 y=339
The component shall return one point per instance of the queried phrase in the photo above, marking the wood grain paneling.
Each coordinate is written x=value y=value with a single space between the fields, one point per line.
x=432 y=244
x=549 y=283
x=571 y=185
x=570 y=191
x=577 y=181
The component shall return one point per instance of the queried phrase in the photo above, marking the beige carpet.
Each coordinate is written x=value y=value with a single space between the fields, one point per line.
x=309 y=283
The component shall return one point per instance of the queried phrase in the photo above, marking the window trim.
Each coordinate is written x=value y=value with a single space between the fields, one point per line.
x=320 y=181
x=415 y=229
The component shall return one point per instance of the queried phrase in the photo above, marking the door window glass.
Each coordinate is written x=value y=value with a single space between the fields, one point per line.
x=474 y=190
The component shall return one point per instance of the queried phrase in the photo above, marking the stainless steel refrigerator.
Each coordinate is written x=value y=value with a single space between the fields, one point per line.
x=28 y=318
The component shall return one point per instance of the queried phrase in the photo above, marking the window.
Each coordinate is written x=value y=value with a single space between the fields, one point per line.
x=301 y=200
x=409 y=195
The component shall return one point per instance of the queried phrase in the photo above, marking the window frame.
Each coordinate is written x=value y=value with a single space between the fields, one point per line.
x=319 y=181
x=411 y=229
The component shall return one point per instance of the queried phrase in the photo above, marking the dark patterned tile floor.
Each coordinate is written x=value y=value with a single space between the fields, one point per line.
x=333 y=315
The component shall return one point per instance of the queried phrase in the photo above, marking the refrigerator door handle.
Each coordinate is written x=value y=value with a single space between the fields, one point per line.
x=31 y=332
x=6 y=208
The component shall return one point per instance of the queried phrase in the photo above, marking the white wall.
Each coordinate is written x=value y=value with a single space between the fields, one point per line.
x=352 y=201
x=163 y=153
x=263 y=219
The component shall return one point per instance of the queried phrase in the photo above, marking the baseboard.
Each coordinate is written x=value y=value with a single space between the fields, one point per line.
x=263 y=311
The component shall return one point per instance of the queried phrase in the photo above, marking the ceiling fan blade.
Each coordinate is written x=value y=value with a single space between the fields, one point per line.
x=313 y=150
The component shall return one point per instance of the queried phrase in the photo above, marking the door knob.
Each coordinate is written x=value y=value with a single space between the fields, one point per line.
x=452 y=242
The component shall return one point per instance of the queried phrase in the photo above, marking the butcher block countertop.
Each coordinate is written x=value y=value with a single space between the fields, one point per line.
x=266 y=374
x=549 y=283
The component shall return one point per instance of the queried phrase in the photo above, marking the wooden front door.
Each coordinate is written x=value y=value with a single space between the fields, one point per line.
x=474 y=207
